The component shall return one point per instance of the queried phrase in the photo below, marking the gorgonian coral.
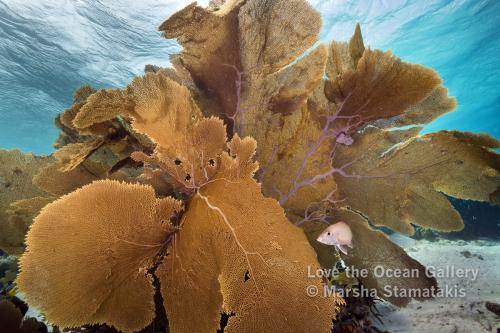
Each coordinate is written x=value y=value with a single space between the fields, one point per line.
x=91 y=250
x=335 y=130
x=233 y=251
x=337 y=126
x=16 y=171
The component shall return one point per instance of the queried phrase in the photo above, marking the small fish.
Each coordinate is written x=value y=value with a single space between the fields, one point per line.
x=339 y=235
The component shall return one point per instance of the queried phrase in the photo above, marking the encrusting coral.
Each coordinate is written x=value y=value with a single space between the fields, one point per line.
x=256 y=126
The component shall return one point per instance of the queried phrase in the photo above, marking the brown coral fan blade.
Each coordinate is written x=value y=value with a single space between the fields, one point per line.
x=52 y=180
x=66 y=117
x=16 y=171
x=424 y=112
x=373 y=250
x=88 y=255
x=285 y=128
x=395 y=179
x=72 y=155
x=189 y=145
x=356 y=45
x=399 y=94
x=291 y=86
x=20 y=216
x=275 y=33
x=237 y=254
x=29 y=207
x=228 y=52
x=102 y=106
x=280 y=69
x=211 y=50
x=79 y=98
x=239 y=162
x=209 y=136
x=164 y=109
x=82 y=93
x=288 y=172
x=379 y=86
x=275 y=108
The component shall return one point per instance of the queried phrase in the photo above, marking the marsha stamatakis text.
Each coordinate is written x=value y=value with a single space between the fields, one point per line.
x=387 y=291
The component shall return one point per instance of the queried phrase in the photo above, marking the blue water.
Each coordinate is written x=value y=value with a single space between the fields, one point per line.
x=49 y=48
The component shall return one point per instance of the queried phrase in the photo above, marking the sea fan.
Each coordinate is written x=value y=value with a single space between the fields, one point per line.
x=233 y=252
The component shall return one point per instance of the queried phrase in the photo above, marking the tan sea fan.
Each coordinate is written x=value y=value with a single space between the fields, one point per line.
x=237 y=254
x=102 y=106
x=189 y=145
x=53 y=180
x=16 y=171
x=89 y=253
x=72 y=155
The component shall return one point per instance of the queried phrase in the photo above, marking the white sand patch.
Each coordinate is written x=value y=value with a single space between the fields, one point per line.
x=451 y=314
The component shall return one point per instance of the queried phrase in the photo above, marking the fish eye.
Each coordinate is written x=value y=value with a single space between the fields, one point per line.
x=328 y=234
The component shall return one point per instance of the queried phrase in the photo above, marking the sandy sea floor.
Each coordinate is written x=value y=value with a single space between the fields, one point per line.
x=465 y=314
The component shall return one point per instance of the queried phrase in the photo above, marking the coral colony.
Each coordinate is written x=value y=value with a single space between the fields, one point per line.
x=200 y=190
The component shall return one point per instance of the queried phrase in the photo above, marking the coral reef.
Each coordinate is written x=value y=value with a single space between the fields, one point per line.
x=232 y=252
x=16 y=171
x=337 y=126
x=200 y=190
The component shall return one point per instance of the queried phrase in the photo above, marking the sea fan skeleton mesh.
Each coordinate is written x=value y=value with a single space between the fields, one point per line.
x=89 y=252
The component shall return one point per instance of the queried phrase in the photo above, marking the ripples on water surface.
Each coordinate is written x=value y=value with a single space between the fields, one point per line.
x=48 y=48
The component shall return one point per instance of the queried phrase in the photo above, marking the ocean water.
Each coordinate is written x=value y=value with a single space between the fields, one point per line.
x=48 y=48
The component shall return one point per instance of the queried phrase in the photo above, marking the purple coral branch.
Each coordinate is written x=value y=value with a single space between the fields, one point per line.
x=341 y=135
x=264 y=168
x=238 y=114
x=326 y=133
x=319 y=215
